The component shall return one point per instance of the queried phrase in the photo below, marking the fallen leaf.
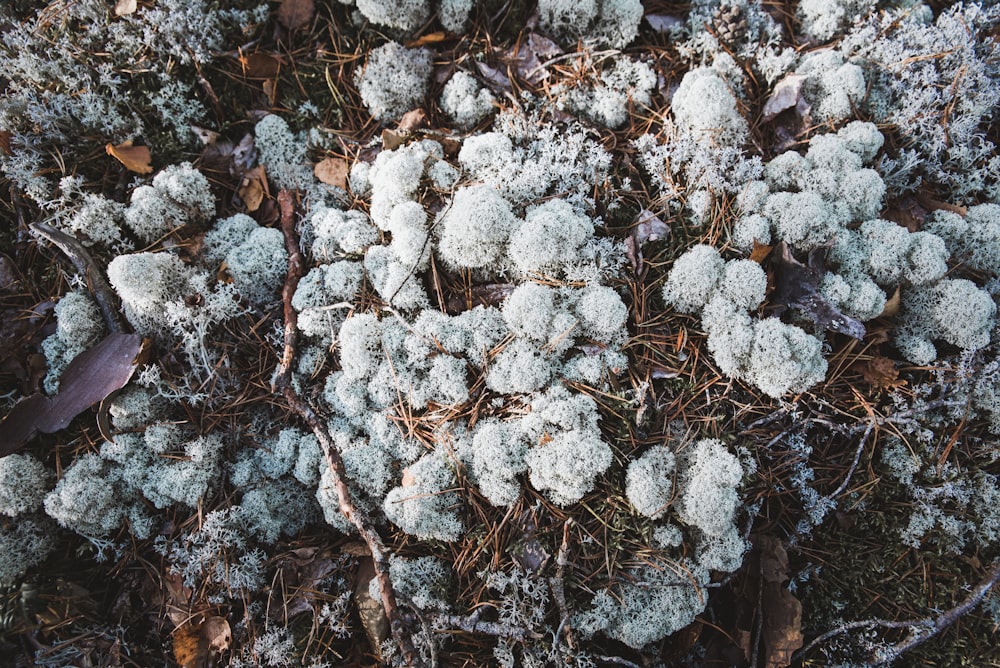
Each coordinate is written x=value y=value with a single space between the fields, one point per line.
x=373 y=618
x=907 y=212
x=253 y=189
x=782 y=628
x=493 y=75
x=197 y=642
x=525 y=57
x=270 y=88
x=332 y=172
x=662 y=23
x=892 y=305
x=649 y=227
x=528 y=552
x=89 y=378
x=797 y=286
x=392 y=140
x=294 y=14
x=135 y=158
x=633 y=254
x=661 y=372
x=786 y=94
x=931 y=204
x=125 y=7
x=429 y=38
x=5 y=142
x=543 y=47
x=259 y=65
x=408 y=479
x=879 y=372
x=489 y=294
x=760 y=252
x=412 y=120
x=8 y=274
x=205 y=136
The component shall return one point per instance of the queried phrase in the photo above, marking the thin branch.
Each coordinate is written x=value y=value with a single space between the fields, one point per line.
x=85 y=264
x=283 y=383
x=922 y=630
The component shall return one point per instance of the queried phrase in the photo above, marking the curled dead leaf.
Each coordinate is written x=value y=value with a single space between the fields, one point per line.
x=135 y=158
x=760 y=252
x=412 y=120
x=649 y=227
x=259 y=65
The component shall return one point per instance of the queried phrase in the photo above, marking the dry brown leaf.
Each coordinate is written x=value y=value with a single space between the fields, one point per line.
x=356 y=548
x=412 y=120
x=332 y=172
x=90 y=377
x=879 y=372
x=907 y=212
x=294 y=14
x=429 y=38
x=760 y=252
x=176 y=598
x=125 y=7
x=5 y=142
x=892 y=305
x=270 y=88
x=135 y=158
x=253 y=189
x=408 y=478
x=259 y=65
x=372 y=614
x=782 y=626
x=197 y=642
x=391 y=140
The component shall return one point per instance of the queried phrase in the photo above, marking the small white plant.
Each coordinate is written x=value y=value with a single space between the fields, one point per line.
x=395 y=79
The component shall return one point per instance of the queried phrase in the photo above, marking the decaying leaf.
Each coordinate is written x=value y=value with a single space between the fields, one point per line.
x=270 y=88
x=528 y=552
x=253 y=189
x=797 y=286
x=294 y=14
x=781 y=630
x=370 y=611
x=760 y=252
x=391 y=140
x=196 y=642
x=259 y=65
x=333 y=172
x=525 y=58
x=89 y=378
x=412 y=120
x=787 y=94
x=8 y=274
x=135 y=158
x=301 y=572
x=892 y=305
x=5 y=142
x=879 y=372
x=907 y=212
x=649 y=227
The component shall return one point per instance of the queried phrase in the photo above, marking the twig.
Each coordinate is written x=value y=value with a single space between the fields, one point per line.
x=854 y=464
x=471 y=624
x=922 y=630
x=282 y=382
x=557 y=584
x=85 y=264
